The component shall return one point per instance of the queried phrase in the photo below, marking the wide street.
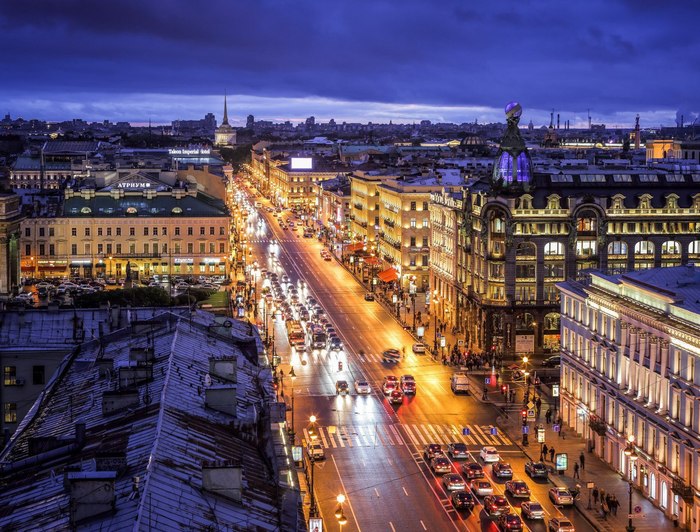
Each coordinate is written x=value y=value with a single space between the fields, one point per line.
x=374 y=450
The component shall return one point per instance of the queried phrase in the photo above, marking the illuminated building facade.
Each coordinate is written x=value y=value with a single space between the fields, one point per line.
x=155 y=227
x=629 y=352
x=525 y=231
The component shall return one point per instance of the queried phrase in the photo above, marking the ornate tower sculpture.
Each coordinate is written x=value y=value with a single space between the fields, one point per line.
x=513 y=166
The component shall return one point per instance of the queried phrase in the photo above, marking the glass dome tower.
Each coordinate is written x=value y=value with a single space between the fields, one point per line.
x=513 y=165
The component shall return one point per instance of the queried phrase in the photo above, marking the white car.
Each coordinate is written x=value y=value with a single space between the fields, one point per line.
x=182 y=286
x=489 y=454
x=482 y=488
x=419 y=348
x=362 y=387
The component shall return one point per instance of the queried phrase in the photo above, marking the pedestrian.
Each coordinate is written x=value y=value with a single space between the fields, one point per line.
x=614 y=506
x=595 y=495
x=548 y=416
x=485 y=396
x=544 y=452
x=604 y=509
x=538 y=403
x=551 y=454
x=582 y=459
x=576 y=475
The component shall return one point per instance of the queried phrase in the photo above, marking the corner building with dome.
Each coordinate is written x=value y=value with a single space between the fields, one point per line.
x=526 y=228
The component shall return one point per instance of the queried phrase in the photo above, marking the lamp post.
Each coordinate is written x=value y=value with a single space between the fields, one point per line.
x=339 y=515
x=631 y=455
x=291 y=432
x=435 y=304
x=313 y=434
x=526 y=374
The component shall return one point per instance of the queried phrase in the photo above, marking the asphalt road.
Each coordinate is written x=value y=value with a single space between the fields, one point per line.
x=374 y=451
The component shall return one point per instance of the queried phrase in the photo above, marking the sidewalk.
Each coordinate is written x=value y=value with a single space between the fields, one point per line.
x=595 y=469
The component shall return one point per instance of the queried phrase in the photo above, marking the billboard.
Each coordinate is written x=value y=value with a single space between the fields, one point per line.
x=302 y=163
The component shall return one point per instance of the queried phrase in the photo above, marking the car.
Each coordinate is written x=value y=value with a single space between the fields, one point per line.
x=391 y=355
x=502 y=470
x=532 y=510
x=390 y=384
x=462 y=500
x=552 y=362
x=457 y=450
x=489 y=454
x=496 y=505
x=408 y=384
x=472 y=471
x=510 y=523
x=440 y=465
x=561 y=496
x=369 y=296
x=453 y=481
x=560 y=524
x=342 y=388
x=362 y=387
x=419 y=348
x=315 y=450
x=327 y=257
x=482 y=487
x=432 y=450
x=182 y=286
x=396 y=397
x=335 y=344
x=517 y=488
x=536 y=469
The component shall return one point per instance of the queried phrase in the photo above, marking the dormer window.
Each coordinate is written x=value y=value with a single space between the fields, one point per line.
x=618 y=201
x=85 y=210
x=526 y=201
x=645 y=201
x=672 y=201
x=177 y=210
x=131 y=210
x=553 y=202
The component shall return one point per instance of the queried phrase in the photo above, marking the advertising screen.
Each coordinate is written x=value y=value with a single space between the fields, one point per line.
x=302 y=163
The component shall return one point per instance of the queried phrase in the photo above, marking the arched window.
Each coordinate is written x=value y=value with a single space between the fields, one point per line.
x=524 y=322
x=551 y=321
x=617 y=248
x=498 y=225
x=526 y=249
x=645 y=247
x=694 y=246
x=652 y=486
x=586 y=224
x=670 y=247
x=664 y=495
x=554 y=248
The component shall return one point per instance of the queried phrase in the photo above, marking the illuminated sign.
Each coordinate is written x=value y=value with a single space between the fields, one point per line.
x=133 y=184
x=209 y=260
x=301 y=163
x=315 y=524
x=178 y=260
x=562 y=461
x=446 y=200
x=189 y=152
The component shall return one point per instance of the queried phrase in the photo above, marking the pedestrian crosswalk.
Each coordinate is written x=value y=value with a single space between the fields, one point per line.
x=419 y=435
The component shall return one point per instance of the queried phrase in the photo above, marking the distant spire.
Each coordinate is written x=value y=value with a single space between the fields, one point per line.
x=225 y=122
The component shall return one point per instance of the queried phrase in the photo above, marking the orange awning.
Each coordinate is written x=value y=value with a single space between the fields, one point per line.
x=372 y=261
x=355 y=247
x=388 y=275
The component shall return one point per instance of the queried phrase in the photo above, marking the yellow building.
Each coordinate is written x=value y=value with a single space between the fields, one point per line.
x=135 y=219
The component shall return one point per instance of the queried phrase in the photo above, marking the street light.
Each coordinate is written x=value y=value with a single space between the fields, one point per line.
x=293 y=434
x=339 y=515
x=631 y=455
x=435 y=301
x=313 y=434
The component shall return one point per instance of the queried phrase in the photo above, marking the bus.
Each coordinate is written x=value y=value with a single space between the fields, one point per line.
x=295 y=333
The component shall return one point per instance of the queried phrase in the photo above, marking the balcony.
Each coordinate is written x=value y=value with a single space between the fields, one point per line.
x=389 y=223
x=684 y=491
x=597 y=425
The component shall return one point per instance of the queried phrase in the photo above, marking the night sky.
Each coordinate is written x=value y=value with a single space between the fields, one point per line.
x=352 y=60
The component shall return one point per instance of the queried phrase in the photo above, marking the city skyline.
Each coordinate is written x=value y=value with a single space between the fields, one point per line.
x=358 y=62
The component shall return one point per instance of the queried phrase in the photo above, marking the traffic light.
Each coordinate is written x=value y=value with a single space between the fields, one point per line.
x=523 y=413
x=275 y=382
x=503 y=389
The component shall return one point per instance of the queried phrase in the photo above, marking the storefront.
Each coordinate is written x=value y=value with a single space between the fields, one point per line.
x=81 y=268
x=52 y=268
x=183 y=266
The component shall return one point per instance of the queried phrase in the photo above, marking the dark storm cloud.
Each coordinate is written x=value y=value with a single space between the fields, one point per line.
x=607 y=55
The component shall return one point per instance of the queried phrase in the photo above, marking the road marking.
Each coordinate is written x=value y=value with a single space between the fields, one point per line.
x=347 y=498
x=423 y=525
x=392 y=526
x=392 y=428
x=331 y=438
x=377 y=492
x=404 y=490
x=323 y=438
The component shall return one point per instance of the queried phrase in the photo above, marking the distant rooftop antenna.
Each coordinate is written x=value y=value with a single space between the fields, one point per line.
x=551 y=119
x=589 y=119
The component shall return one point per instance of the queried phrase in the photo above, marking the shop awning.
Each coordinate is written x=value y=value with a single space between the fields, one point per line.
x=388 y=275
x=352 y=248
x=372 y=261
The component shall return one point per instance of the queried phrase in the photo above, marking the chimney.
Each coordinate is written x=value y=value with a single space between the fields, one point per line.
x=91 y=494
x=223 y=478
x=224 y=368
x=221 y=398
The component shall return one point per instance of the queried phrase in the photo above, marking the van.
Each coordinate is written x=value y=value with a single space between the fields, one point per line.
x=459 y=383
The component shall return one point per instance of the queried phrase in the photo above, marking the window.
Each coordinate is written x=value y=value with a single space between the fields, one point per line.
x=222 y=247
x=146 y=248
x=425 y=260
x=201 y=231
x=119 y=231
x=99 y=231
x=74 y=249
x=52 y=249
x=39 y=375
x=28 y=231
x=119 y=249
x=132 y=248
x=109 y=249
x=9 y=375
x=413 y=205
x=99 y=248
x=28 y=250
x=554 y=248
x=413 y=241
x=10 y=412
x=554 y=269
x=190 y=231
x=413 y=223
x=645 y=247
x=524 y=271
x=42 y=231
x=426 y=223
x=211 y=231
x=617 y=248
x=132 y=231
x=155 y=231
x=87 y=231
x=74 y=231
x=526 y=249
x=145 y=231
x=222 y=231
x=190 y=248
x=164 y=231
x=202 y=247
x=212 y=249
x=425 y=241
x=109 y=231
x=670 y=247
x=177 y=231
x=586 y=248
